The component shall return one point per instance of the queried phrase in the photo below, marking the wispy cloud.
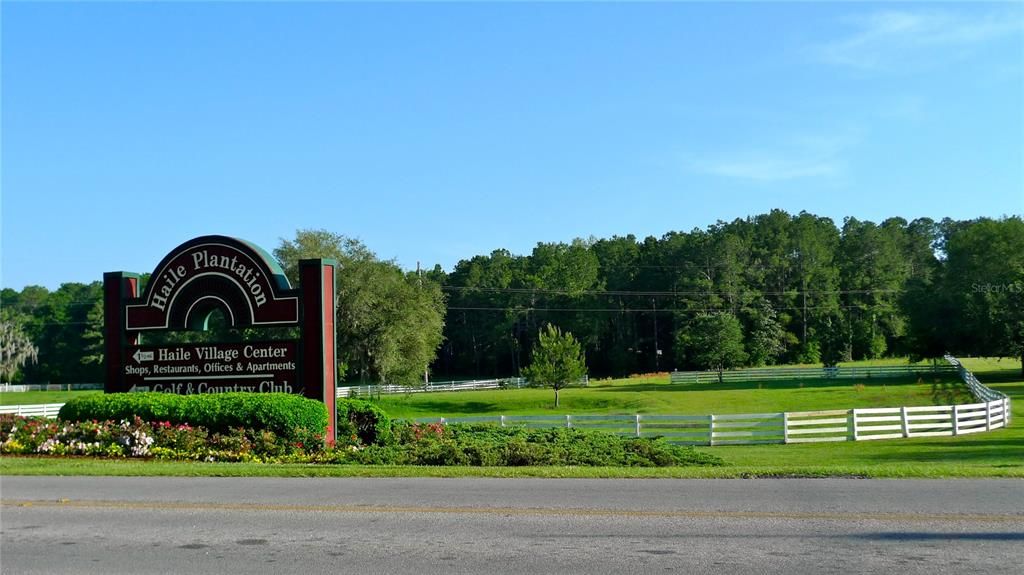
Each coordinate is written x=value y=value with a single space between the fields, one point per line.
x=894 y=38
x=768 y=169
x=799 y=158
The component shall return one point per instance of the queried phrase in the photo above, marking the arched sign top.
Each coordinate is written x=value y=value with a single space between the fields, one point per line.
x=214 y=272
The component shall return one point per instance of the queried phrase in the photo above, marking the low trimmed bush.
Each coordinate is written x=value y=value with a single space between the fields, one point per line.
x=286 y=415
x=361 y=422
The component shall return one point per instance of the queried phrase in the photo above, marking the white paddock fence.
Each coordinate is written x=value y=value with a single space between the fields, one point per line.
x=38 y=410
x=789 y=373
x=504 y=383
x=785 y=427
x=18 y=388
x=992 y=411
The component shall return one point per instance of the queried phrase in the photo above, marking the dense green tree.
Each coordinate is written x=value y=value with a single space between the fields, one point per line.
x=984 y=281
x=557 y=360
x=487 y=318
x=766 y=341
x=614 y=352
x=389 y=323
x=93 y=337
x=713 y=341
x=874 y=267
x=56 y=322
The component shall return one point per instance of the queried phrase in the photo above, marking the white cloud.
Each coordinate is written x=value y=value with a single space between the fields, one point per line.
x=893 y=38
x=768 y=169
x=797 y=158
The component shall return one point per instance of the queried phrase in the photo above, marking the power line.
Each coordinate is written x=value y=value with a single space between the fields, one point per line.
x=644 y=310
x=667 y=293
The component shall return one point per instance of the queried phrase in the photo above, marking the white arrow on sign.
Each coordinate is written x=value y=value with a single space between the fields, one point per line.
x=138 y=388
x=141 y=356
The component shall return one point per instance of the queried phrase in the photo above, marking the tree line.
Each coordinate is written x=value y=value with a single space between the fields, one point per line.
x=795 y=288
x=766 y=289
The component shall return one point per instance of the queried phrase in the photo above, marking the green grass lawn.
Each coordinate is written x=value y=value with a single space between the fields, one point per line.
x=34 y=397
x=994 y=454
x=658 y=396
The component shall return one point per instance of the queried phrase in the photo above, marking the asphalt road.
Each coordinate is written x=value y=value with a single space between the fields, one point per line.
x=264 y=525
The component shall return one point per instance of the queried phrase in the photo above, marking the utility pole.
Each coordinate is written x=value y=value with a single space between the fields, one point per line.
x=805 y=311
x=657 y=352
x=426 y=368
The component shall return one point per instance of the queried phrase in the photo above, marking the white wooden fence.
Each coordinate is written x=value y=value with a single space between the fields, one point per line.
x=785 y=427
x=786 y=373
x=504 y=383
x=15 y=388
x=38 y=410
x=369 y=390
x=992 y=411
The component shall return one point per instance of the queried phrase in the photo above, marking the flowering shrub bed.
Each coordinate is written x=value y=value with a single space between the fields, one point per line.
x=162 y=440
x=402 y=444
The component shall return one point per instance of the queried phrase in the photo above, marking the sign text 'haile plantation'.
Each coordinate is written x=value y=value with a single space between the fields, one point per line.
x=203 y=261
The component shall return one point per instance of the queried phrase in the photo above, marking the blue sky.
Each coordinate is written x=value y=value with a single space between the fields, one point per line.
x=435 y=132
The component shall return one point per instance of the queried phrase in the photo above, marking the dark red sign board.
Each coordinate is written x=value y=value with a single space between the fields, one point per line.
x=265 y=367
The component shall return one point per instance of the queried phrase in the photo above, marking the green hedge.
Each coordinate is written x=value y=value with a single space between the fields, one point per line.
x=363 y=422
x=281 y=413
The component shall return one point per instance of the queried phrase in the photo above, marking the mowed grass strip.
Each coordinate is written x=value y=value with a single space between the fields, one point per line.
x=657 y=396
x=37 y=397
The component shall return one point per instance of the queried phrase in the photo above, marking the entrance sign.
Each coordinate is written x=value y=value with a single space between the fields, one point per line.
x=211 y=368
x=242 y=282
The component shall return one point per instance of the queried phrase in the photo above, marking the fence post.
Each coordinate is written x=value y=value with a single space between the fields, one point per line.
x=502 y=420
x=638 y=425
x=1006 y=412
x=853 y=423
x=568 y=420
x=904 y=421
x=785 y=427
x=711 y=429
x=956 y=420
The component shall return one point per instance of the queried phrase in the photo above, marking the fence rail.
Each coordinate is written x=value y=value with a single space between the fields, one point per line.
x=786 y=427
x=38 y=410
x=992 y=411
x=16 y=388
x=502 y=383
x=786 y=373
